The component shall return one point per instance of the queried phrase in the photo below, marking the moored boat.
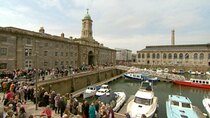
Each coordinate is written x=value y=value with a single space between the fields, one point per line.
x=166 y=70
x=198 y=72
x=206 y=104
x=174 y=71
x=207 y=73
x=201 y=83
x=139 y=76
x=114 y=99
x=103 y=90
x=90 y=91
x=134 y=76
x=191 y=72
x=159 y=70
x=180 y=107
x=180 y=72
x=144 y=102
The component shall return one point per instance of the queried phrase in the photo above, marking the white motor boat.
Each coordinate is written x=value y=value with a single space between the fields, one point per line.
x=114 y=99
x=103 y=90
x=159 y=70
x=191 y=72
x=121 y=97
x=144 y=102
x=166 y=70
x=206 y=104
x=90 y=91
x=197 y=72
x=208 y=73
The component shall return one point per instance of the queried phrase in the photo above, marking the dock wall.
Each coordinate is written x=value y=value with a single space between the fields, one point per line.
x=78 y=81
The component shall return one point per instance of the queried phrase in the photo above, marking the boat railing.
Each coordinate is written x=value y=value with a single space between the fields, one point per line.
x=198 y=112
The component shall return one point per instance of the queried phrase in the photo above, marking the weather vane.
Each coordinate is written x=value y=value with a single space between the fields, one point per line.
x=87 y=10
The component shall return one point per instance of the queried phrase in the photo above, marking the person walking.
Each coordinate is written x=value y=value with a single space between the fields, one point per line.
x=62 y=105
x=22 y=113
x=57 y=103
x=92 y=111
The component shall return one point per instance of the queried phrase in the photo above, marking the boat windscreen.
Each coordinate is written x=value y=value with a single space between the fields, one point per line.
x=146 y=85
x=142 y=101
x=186 y=105
x=175 y=103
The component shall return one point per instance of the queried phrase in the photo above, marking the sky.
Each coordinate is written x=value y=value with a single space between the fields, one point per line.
x=126 y=24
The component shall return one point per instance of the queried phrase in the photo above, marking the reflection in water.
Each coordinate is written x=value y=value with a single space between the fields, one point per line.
x=192 y=90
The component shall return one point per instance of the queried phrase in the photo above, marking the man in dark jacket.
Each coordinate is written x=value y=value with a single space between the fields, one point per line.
x=63 y=105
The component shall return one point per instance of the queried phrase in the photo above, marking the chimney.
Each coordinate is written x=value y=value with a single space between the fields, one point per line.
x=41 y=30
x=62 y=35
x=173 y=37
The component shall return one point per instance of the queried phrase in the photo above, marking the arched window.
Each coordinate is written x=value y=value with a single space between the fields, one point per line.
x=158 y=56
x=153 y=55
x=142 y=55
x=201 y=56
x=175 y=56
x=195 y=56
x=164 y=56
x=180 y=56
x=186 y=56
x=148 y=55
x=139 y=55
x=169 y=56
x=209 y=56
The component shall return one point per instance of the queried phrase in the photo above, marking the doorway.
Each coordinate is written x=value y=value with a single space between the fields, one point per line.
x=90 y=58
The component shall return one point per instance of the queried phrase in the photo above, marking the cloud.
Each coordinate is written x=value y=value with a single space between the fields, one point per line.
x=131 y=24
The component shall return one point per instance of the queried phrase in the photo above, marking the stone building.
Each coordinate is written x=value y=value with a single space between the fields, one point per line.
x=123 y=56
x=23 y=49
x=133 y=58
x=187 y=57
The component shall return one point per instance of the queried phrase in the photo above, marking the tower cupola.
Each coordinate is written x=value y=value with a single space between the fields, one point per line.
x=87 y=27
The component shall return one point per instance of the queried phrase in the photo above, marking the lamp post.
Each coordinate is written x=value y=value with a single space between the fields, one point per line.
x=36 y=73
x=36 y=90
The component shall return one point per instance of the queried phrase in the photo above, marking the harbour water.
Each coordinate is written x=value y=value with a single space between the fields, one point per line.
x=162 y=90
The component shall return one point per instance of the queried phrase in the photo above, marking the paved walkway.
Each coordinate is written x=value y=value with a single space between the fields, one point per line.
x=30 y=108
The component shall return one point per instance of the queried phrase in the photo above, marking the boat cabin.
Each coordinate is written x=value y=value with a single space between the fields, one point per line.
x=94 y=88
x=181 y=106
x=146 y=85
x=104 y=87
x=200 y=81
x=180 y=101
x=144 y=97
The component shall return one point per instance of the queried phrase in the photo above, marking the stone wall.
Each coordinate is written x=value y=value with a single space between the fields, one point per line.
x=77 y=82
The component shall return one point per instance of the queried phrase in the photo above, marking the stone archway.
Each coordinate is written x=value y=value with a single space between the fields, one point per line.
x=91 y=58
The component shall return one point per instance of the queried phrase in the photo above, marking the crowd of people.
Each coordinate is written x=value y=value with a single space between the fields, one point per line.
x=66 y=106
x=17 y=94
x=42 y=73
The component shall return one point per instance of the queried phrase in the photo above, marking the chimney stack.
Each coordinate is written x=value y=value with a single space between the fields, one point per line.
x=62 y=35
x=41 y=30
x=173 y=37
